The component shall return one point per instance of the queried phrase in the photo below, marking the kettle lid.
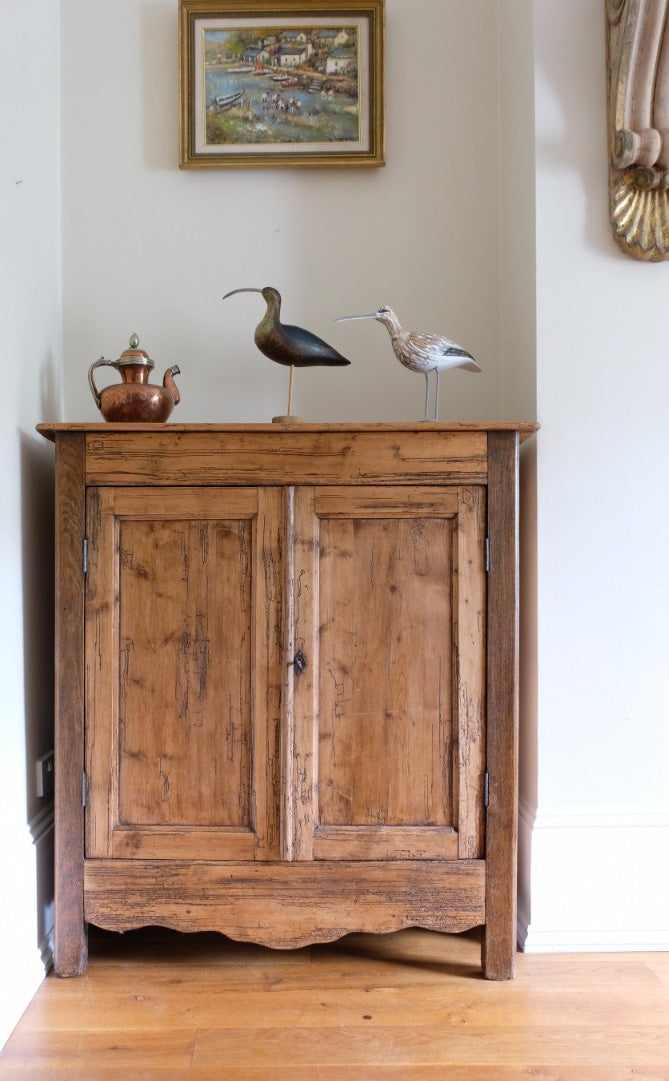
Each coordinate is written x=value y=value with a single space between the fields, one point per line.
x=135 y=355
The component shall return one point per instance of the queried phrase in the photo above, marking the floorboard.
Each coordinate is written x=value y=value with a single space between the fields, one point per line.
x=411 y=1006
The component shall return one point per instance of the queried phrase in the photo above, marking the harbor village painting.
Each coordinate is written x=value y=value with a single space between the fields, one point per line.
x=277 y=85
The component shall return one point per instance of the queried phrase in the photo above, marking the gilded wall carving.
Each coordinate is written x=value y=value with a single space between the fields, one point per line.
x=638 y=102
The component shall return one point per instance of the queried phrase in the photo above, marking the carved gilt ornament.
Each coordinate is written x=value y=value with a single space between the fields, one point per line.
x=638 y=89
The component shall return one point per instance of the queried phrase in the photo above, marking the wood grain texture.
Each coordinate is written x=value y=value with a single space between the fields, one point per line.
x=385 y=843
x=302 y=750
x=285 y=457
x=385 y=670
x=51 y=430
x=469 y=675
x=182 y=630
x=70 y=932
x=287 y=904
x=363 y=547
x=499 y=945
x=409 y=1006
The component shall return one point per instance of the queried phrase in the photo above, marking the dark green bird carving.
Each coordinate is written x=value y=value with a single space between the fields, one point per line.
x=286 y=344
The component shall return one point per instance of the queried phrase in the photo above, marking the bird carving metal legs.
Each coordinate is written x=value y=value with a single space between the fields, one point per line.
x=427 y=396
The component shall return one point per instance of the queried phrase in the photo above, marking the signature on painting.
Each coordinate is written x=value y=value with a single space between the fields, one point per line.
x=278 y=85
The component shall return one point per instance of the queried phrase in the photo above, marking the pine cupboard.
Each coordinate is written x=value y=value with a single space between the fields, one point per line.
x=286 y=681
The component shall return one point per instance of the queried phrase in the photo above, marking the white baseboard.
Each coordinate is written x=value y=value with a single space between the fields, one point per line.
x=593 y=882
x=632 y=940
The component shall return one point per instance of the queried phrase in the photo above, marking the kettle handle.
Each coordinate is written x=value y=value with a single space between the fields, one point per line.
x=97 y=364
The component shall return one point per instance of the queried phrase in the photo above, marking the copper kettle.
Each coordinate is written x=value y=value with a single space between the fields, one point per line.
x=135 y=399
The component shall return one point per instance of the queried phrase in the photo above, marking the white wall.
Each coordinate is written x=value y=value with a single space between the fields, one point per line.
x=601 y=836
x=30 y=331
x=153 y=249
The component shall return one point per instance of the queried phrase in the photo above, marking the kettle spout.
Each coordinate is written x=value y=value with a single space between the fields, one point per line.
x=168 y=381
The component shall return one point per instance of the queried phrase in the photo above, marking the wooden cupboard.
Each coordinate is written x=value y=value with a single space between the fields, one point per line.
x=286 y=681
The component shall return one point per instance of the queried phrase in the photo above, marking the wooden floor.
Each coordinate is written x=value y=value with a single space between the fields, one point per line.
x=156 y=1006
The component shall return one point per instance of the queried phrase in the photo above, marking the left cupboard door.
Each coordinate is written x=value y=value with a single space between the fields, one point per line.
x=183 y=673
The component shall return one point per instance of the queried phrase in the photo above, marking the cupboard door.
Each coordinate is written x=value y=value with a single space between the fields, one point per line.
x=183 y=672
x=387 y=722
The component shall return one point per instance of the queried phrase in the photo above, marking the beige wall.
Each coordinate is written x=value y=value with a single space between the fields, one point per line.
x=153 y=249
x=30 y=331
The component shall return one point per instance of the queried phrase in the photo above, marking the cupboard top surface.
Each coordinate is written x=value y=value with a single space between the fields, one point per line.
x=524 y=428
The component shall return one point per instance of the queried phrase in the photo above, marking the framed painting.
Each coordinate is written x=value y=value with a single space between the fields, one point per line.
x=281 y=84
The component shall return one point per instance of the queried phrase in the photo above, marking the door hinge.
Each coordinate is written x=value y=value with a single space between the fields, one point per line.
x=487 y=555
x=84 y=789
x=486 y=789
x=85 y=556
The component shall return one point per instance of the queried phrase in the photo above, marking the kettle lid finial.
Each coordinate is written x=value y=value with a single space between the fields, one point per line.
x=135 y=355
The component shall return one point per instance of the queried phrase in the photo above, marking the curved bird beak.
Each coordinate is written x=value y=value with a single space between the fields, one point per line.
x=233 y=291
x=346 y=318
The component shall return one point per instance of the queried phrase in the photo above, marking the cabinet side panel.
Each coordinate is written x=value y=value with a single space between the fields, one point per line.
x=499 y=946
x=70 y=933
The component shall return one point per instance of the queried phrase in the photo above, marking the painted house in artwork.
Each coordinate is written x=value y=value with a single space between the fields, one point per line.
x=255 y=54
x=332 y=39
x=341 y=62
x=291 y=56
x=293 y=37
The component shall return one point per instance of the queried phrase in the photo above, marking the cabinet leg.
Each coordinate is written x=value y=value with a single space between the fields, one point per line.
x=499 y=942
x=498 y=953
x=71 y=950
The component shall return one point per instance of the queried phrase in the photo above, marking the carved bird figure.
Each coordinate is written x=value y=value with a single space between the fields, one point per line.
x=285 y=344
x=423 y=353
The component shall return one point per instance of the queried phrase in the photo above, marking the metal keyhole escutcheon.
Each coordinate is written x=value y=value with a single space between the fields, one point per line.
x=299 y=662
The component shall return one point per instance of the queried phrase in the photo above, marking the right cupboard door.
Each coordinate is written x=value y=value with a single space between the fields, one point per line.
x=386 y=726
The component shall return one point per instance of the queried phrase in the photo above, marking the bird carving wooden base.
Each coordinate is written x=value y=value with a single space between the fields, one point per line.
x=289 y=345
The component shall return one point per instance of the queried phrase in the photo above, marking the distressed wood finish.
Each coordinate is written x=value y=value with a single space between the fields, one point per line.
x=286 y=457
x=525 y=429
x=499 y=944
x=287 y=904
x=227 y=789
x=71 y=948
x=469 y=614
x=183 y=672
x=390 y=585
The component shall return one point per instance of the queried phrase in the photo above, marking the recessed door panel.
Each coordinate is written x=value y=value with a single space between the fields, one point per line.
x=185 y=672
x=182 y=627
x=385 y=672
x=388 y=715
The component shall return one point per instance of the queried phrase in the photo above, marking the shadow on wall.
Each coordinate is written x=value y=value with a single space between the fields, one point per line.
x=37 y=531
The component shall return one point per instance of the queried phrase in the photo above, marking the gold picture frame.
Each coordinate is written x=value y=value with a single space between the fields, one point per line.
x=274 y=84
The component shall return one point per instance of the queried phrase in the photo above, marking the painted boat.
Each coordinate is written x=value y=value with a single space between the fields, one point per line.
x=226 y=101
x=240 y=71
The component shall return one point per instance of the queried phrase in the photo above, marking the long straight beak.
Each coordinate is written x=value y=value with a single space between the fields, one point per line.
x=232 y=293
x=346 y=318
